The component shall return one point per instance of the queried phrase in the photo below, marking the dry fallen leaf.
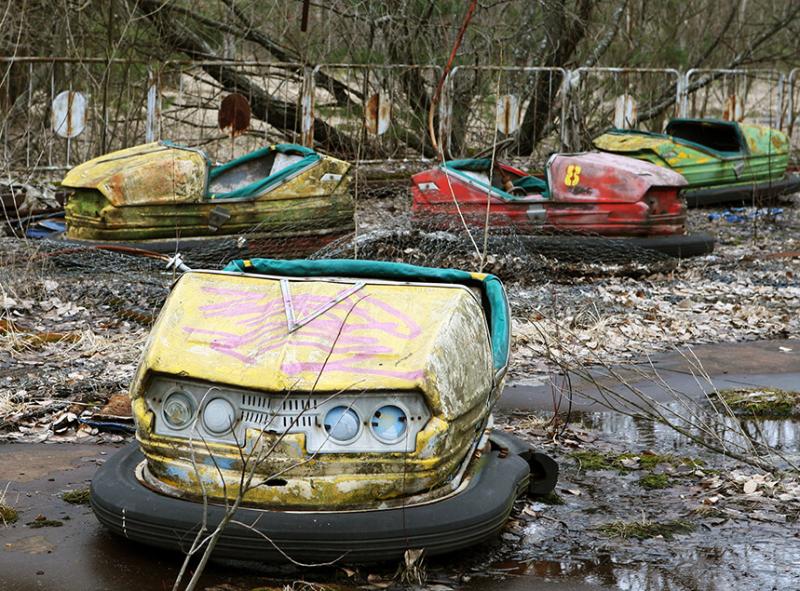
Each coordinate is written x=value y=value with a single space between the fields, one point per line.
x=750 y=487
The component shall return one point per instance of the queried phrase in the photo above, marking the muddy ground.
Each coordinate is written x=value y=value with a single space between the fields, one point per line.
x=72 y=325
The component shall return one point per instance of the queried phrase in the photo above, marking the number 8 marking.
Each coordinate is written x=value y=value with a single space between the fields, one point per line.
x=573 y=175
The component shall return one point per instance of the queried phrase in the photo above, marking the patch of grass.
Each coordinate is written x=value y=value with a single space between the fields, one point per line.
x=592 y=460
x=44 y=523
x=762 y=402
x=551 y=498
x=8 y=514
x=654 y=481
x=77 y=497
x=643 y=530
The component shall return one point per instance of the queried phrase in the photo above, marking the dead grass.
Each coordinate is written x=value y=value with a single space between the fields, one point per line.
x=8 y=514
x=77 y=497
x=644 y=529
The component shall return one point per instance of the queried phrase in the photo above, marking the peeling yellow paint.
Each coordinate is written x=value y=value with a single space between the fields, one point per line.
x=428 y=339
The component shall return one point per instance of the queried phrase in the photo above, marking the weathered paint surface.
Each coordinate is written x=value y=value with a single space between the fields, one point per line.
x=232 y=329
x=767 y=156
x=152 y=191
x=146 y=174
x=592 y=192
x=68 y=114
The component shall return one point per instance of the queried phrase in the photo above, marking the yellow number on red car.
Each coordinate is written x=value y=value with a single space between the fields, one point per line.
x=573 y=175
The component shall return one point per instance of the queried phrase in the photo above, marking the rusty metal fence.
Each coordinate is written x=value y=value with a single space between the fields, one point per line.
x=626 y=98
x=521 y=107
x=57 y=112
x=791 y=120
x=753 y=95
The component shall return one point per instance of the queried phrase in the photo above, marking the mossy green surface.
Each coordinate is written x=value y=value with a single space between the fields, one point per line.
x=762 y=402
x=7 y=514
x=77 y=497
x=654 y=481
x=643 y=530
x=44 y=523
x=592 y=460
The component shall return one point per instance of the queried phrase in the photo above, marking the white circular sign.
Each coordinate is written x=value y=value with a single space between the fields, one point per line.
x=69 y=113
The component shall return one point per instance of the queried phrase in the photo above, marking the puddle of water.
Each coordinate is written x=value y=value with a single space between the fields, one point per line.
x=754 y=566
x=781 y=435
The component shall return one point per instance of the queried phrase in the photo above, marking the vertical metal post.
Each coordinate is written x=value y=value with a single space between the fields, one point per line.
x=307 y=108
x=566 y=103
x=152 y=130
x=683 y=93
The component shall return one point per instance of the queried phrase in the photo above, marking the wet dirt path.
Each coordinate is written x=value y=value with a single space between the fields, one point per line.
x=545 y=547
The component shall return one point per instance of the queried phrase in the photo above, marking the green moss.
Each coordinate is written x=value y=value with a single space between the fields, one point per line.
x=654 y=481
x=762 y=402
x=7 y=514
x=643 y=530
x=592 y=460
x=77 y=497
x=44 y=523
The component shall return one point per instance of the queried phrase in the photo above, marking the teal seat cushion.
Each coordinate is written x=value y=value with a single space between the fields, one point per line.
x=530 y=184
x=309 y=157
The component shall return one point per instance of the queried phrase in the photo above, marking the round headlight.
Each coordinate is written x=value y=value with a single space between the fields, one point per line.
x=342 y=423
x=178 y=409
x=219 y=416
x=389 y=423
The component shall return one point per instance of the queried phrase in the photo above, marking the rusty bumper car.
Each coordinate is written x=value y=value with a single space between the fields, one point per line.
x=722 y=161
x=345 y=404
x=590 y=198
x=285 y=200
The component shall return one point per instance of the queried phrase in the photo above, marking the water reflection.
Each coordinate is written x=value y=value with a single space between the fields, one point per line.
x=760 y=565
x=780 y=435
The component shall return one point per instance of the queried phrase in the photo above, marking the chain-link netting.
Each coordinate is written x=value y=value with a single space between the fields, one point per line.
x=135 y=278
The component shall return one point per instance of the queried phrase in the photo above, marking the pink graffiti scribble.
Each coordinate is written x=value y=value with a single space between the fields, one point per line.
x=349 y=331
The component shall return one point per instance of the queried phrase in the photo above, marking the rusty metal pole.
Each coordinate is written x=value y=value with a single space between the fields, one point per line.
x=107 y=76
x=304 y=20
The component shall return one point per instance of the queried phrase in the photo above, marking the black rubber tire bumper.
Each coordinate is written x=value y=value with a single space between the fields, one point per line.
x=475 y=514
x=680 y=246
x=573 y=248
x=743 y=194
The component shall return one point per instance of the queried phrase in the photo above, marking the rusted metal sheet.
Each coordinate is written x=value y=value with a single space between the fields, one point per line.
x=378 y=113
x=69 y=112
x=153 y=122
x=733 y=109
x=625 y=112
x=234 y=114
x=307 y=109
x=508 y=114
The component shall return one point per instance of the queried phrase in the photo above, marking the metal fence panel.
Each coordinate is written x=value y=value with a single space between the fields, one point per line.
x=737 y=95
x=34 y=120
x=382 y=109
x=518 y=107
x=791 y=121
x=632 y=98
x=191 y=94
x=356 y=111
